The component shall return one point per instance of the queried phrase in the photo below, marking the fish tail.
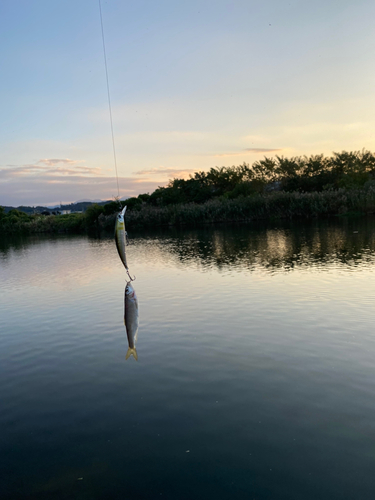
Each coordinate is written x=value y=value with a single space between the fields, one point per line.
x=132 y=350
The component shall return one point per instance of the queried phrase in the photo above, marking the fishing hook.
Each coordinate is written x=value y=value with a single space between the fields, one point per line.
x=131 y=279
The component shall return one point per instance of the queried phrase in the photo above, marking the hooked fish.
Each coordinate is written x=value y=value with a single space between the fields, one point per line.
x=120 y=237
x=131 y=319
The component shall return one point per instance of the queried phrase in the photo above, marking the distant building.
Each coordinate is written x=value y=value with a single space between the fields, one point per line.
x=65 y=212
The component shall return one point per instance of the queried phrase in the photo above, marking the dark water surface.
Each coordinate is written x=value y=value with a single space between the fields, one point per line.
x=255 y=377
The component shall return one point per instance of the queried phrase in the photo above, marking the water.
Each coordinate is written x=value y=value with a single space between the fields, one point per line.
x=255 y=376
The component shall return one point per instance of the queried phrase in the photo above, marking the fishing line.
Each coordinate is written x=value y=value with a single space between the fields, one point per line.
x=114 y=148
x=109 y=102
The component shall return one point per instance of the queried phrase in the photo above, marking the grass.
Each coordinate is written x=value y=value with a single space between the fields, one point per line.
x=256 y=207
x=273 y=205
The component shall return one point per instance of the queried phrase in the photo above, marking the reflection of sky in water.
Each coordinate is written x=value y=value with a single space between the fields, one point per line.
x=255 y=353
x=241 y=267
x=174 y=264
x=69 y=264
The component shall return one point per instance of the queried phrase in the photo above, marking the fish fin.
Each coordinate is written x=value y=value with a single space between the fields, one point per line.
x=130 y=352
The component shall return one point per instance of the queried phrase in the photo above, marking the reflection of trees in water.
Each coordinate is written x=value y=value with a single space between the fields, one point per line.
x=20 y=242
x=15 y=242
x=283 y=245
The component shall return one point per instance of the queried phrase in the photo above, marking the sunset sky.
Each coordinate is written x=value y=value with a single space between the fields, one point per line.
x=193 y=85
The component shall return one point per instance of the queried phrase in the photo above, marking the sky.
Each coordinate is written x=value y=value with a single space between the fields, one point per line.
x=193 y=85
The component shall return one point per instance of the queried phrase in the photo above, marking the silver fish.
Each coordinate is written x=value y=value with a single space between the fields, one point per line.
x=131 y=319
x=120 y=236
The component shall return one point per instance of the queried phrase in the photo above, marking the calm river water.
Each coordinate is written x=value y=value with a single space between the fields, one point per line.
x=255 y=376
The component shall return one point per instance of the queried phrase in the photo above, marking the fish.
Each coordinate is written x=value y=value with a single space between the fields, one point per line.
x=120 y=237
x=131 y=320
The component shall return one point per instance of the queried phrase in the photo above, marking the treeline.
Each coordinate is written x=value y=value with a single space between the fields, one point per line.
x=272 y=187
x=17 y=221
x=301 y=173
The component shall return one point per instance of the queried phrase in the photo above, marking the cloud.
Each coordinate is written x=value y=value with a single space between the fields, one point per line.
x=249 y=151
x=47 y=183
x=56 y=161
x=48 y=168
x=262 y=150
x=48 y=191
x=166 y=171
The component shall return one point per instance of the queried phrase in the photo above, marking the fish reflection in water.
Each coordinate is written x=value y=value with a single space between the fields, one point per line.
x=131 y=319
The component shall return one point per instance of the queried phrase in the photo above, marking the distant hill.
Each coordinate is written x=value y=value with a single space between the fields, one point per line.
x=79 y=206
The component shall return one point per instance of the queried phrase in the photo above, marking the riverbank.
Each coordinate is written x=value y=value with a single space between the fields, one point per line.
x=275 y=205
x=256 y=207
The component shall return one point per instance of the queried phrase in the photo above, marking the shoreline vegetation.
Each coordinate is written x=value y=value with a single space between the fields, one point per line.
x=272 y=188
